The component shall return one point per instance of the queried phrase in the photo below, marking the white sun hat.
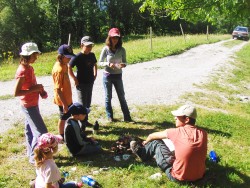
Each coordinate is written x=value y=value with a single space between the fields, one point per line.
x=29 y=48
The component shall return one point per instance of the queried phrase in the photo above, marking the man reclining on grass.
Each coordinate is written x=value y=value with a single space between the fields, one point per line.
x=187 y=161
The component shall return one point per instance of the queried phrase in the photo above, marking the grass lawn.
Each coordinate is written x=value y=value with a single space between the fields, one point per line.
x=137 y=51
x=222 y=112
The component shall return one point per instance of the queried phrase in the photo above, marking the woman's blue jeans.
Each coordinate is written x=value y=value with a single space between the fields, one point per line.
x=108 y=82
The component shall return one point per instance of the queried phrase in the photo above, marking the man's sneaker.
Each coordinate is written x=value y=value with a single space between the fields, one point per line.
x=135 y=148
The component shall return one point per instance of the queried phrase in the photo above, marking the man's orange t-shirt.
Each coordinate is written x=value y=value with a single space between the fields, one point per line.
x=190 y=152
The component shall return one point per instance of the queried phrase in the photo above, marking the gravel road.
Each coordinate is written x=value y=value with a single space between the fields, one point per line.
x=161 y=81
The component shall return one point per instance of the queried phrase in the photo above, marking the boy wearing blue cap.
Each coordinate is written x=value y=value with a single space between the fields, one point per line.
x=77 y=142
x=62 y=86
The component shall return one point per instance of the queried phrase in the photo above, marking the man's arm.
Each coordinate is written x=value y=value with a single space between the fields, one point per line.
x=156 y=136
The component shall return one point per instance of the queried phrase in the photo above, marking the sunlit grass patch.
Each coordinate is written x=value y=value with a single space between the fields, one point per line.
x=232 y=43
x=137 y=51
x=6 y=97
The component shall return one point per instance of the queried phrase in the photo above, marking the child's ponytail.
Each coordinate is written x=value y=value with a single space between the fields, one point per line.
x=39 y=156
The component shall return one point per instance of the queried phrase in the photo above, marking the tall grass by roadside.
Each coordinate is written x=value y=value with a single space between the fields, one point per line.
x=137 y=51
x=221 y=112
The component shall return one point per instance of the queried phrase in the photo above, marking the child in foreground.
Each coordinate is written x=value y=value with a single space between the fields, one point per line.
x=48 y=174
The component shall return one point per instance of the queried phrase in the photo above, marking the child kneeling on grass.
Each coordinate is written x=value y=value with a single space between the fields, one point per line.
x=48 y=174
x=76 y=140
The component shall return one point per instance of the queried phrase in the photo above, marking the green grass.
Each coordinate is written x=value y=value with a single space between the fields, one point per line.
x=231 y=44
x=6 y=97
x=220 y=112
x=137 y=51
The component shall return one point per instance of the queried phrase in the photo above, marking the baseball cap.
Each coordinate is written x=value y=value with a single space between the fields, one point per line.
x=186 y=110
x=77 y=108
x=86 y=40
x=114 y=32
x=66 y=50
x=29 y=48
x=48 y=141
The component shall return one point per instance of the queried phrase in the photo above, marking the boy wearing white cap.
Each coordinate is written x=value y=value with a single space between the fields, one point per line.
x=187 y=161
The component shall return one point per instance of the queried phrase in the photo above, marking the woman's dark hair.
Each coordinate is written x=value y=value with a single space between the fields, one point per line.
x=109 y=42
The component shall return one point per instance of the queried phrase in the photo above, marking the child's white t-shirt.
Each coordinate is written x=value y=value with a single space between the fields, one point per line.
x=47 y=173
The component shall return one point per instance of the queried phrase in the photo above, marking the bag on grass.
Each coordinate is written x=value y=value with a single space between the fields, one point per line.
x=122 y=145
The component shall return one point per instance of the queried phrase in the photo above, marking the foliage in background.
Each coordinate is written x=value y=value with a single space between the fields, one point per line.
x=137 y=46
x=226 y=12
x=49 y=22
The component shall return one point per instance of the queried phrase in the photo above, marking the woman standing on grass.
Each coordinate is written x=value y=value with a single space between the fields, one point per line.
x=28 y=91
x=113 y=58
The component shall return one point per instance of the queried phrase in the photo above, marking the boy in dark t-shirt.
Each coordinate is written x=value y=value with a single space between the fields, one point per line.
x=86 y=72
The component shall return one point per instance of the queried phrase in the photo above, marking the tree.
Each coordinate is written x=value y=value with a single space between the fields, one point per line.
x=20 y=22
x=212 y=11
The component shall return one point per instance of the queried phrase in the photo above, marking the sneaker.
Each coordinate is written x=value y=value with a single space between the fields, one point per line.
x=135 y=148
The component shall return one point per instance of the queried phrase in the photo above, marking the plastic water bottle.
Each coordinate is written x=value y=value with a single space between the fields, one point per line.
x=213 y=156
x=65 y=174
x=90 y=182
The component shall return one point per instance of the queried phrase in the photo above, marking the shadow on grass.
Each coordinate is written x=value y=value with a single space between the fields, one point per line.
x=211 y=131
x=100 y=160
x=222 y=176
x=106 y=158
x=216 y=175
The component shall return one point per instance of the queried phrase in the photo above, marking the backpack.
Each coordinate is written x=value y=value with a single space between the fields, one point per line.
x=122 y=144
x=74 y=137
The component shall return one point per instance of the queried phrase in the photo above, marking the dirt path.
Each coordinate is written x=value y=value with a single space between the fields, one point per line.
x=160 y=81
